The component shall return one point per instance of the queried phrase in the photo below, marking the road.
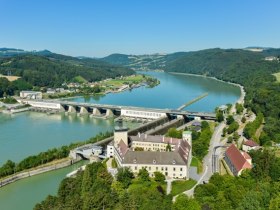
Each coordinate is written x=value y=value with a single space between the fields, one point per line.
x=207 y=160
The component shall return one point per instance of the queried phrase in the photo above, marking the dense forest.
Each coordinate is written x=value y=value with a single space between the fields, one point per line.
x=248 y=69
x=46 y=69
x=96 y=189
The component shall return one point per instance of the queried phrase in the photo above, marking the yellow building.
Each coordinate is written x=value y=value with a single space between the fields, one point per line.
x=170 y=156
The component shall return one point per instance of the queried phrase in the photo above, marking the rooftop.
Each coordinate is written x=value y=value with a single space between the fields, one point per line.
x=237 y=159
x=156 y=139
x=148 y=157
x=251 y=143
x=179 y=156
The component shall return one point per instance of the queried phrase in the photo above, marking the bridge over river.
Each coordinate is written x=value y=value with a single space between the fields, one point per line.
x=105 y=110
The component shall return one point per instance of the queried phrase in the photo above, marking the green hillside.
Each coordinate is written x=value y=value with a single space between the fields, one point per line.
x=143 y=62
x=53 y=70
x=244 y=67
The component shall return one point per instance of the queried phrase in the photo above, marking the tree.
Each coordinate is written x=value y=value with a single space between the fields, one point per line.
x=275 y=203
x=220 y=116
x=243 y=120
x=239 y=108
x=230 y=119
x=235 y=136
x=168 y=148
x=159 y=177
x=232 y=127
x=125 y=176
x=172 y=132
x=184 y=203
x=143 y=175
x=224 y=132
x=229 y=139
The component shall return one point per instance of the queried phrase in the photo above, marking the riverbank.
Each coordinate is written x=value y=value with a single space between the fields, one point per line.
x=54 y=165
x=242 y=91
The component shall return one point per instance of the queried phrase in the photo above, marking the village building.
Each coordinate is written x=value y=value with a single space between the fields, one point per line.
x=170 y=156
x=250 y=145
x=28 y=94
x=237 y=160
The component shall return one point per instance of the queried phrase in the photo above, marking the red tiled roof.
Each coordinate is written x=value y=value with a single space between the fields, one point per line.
x=246 y=156
x=251 y=143
x=237 y=159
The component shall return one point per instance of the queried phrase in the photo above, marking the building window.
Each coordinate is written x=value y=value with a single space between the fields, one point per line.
x=166 y=168
x=149 y=168
x=156 y=168
x=162 y=168
x=135 y=168
x=174 y=169
x=181 y=169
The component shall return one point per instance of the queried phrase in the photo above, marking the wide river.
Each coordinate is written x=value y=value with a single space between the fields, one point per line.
x=30 y=133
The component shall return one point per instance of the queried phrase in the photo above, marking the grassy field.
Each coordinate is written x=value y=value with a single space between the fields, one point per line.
x=80 y=79
x=127 y=80
x=277 y=75
x=152 y=184
x=180 y=186
x=197 y=163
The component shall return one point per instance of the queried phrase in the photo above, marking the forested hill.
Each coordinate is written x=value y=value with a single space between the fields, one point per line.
x=51 y=70
x=247 y=68
x=142 y=62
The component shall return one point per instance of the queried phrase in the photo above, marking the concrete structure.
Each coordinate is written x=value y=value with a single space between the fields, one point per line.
x=86 y=151
x=249 y=145
x=141 y=114
x=51 y=91
x=152 y=153
x=126 y=111
x=237 y=161
x=223 y=109
x=31 y=94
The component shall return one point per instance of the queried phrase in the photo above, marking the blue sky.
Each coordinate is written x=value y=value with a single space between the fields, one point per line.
x=100 y=27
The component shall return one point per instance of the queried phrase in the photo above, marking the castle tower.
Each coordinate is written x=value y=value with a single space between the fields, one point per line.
x=120 y=133
x=187 y=136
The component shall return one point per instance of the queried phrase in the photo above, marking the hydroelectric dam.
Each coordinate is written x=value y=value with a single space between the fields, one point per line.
x=105 y=110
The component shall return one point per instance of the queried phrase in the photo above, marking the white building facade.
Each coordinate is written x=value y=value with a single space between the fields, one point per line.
x=152 y=153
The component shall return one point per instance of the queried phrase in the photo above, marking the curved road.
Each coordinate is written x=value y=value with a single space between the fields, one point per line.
x=207 y=160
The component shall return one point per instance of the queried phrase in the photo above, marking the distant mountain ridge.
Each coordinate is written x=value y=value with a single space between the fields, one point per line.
x=164 y=61
x=47 y=69
x=142 y=62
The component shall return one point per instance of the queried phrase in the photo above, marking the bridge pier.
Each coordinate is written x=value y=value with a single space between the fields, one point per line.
x=62 y=109
x=83 y=110
x=71 y=109
x=109 y=113
x=96 y=112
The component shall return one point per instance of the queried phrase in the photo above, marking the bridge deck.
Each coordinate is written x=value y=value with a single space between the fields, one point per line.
x=119 y=108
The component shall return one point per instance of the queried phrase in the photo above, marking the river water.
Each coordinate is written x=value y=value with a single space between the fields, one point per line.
x=29 y=133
